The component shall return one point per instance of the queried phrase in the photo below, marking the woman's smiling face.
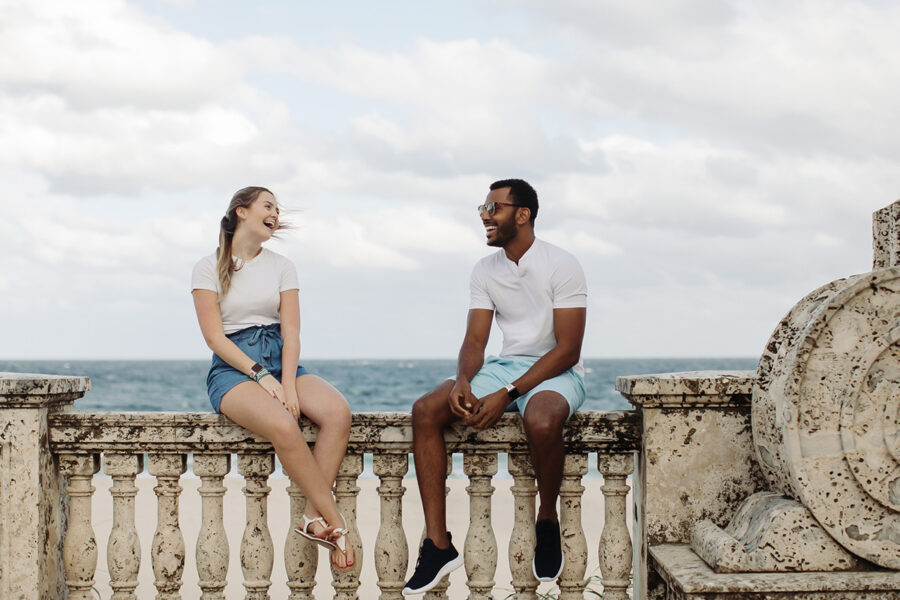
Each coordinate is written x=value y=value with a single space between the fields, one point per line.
x=261 y=216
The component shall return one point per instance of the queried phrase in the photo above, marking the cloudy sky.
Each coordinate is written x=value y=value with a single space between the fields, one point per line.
x=709 y=162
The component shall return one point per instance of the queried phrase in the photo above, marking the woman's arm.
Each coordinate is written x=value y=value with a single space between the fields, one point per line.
x=290 y=349
x=207 y=306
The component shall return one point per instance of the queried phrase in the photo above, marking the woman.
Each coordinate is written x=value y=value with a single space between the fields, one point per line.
x=249 y=311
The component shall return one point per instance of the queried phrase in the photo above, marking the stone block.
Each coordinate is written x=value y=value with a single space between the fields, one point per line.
x=687 y=577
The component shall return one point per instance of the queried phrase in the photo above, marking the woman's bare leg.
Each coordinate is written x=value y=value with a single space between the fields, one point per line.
x=248 y=405
x=322 y=404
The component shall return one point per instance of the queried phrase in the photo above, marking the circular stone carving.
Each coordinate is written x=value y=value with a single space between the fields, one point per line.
x=825 y=411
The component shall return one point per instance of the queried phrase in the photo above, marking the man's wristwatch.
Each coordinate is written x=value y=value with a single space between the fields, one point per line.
x=512 y=391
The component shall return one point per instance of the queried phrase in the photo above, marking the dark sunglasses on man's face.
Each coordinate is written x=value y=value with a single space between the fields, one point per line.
x=491 y=207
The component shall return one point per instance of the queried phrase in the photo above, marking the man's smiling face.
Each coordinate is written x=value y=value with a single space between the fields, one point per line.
x=500 y=227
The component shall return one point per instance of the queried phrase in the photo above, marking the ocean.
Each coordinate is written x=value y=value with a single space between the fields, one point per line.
x=368 y=385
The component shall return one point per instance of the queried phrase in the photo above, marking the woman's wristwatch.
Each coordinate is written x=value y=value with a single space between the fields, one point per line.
x=257 y=372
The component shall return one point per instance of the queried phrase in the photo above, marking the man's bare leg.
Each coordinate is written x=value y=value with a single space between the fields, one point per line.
x=430 y=416
x=544 y=419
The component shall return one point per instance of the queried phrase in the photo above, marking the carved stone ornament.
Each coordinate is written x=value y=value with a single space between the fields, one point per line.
x=826 y=411
x=770 y=532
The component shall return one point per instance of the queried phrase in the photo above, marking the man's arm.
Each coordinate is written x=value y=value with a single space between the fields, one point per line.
x=568 y=325
x=471 y=357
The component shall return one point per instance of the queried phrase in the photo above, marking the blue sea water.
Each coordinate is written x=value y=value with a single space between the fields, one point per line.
x=368 y=385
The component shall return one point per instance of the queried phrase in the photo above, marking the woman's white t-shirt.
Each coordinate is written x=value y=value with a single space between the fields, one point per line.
x=255 y=294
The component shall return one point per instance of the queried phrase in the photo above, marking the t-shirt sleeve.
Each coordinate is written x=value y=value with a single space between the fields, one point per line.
x=203 y=276
x=478 y=293
x=288 y=277
x=569 y=284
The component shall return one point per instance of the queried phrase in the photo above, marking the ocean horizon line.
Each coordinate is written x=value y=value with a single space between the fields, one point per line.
x=354 y=359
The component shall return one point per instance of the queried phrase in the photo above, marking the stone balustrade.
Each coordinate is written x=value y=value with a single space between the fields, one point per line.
x=76 y=445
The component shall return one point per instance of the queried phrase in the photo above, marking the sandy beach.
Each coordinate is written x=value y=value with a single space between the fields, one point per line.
x=278 y=510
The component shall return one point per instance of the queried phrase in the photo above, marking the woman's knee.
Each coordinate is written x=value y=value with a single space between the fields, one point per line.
x=338 y=416
x=285 y=433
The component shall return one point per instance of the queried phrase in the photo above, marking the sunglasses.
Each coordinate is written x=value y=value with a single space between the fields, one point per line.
x=491 y=207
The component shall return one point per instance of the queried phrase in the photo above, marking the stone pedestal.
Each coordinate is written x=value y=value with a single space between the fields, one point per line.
x=696 y=462
x=32 y=496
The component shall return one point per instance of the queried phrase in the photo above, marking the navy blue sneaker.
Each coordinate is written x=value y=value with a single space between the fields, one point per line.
x=548 y=556
x=431 y=567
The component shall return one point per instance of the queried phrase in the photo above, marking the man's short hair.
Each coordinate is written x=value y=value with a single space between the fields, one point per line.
x=521 y=193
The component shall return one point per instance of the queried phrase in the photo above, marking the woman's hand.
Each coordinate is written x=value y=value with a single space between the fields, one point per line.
x=292 y=402
x=273 y=388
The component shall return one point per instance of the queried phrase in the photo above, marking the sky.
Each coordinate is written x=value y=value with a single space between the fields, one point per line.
x=708 y=162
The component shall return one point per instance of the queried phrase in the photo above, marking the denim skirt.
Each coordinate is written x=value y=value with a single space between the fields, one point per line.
x=262 y=344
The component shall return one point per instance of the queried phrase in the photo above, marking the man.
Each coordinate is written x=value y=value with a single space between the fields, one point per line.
x=539 y=296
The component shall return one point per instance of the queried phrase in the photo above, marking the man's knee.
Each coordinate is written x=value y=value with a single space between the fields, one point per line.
x=545 y=416
x=431 y=409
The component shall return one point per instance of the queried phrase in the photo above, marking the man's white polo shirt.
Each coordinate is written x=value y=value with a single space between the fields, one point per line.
x=523 y=296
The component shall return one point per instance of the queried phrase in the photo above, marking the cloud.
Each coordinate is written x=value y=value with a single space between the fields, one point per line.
x=107 y=53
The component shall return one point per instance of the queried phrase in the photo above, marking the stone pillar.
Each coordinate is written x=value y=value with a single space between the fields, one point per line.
x=33 y=502
x=886 y=236
x=679 y=480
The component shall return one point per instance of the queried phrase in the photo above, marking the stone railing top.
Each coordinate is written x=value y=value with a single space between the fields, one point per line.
x=688 y=389
x=79 y=432
x=36 y=389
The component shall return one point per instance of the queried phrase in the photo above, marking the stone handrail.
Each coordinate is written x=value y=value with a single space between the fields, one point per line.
x=78 y=439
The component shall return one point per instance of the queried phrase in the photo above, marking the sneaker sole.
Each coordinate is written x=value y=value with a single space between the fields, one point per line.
x=544 y=579
x=447 y=568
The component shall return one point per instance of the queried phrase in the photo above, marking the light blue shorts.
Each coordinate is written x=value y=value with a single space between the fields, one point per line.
x=262 y=344
x=499 y=371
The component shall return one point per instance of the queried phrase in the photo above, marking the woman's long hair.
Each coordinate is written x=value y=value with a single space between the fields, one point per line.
x=224 y=262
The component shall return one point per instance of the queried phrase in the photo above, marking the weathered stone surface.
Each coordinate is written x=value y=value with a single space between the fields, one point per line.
x=770 y=532
x=688 y=388
x=886 y=236
x=33 y=502
x=826 y=426
x=697 y=458
x=687 y=577
x=40 y=388
x=771 y=366
x=589 y=431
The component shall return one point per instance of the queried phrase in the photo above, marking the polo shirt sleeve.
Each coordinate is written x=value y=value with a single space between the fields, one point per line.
x=478 y=292
x=569 y=284
x=204 y=276
x=287 y=279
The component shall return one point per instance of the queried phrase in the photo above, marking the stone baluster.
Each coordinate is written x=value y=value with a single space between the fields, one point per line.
x=212 y=544
x=522 y=540
x=574 y=544
x=80 y=546
x=439 y=592
x=391 y=551
x=123 y=551
x=167 y=551
x=301 y=557
x=346 y=582
x=257 y=549
x=615 y=541
x=481 y=545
